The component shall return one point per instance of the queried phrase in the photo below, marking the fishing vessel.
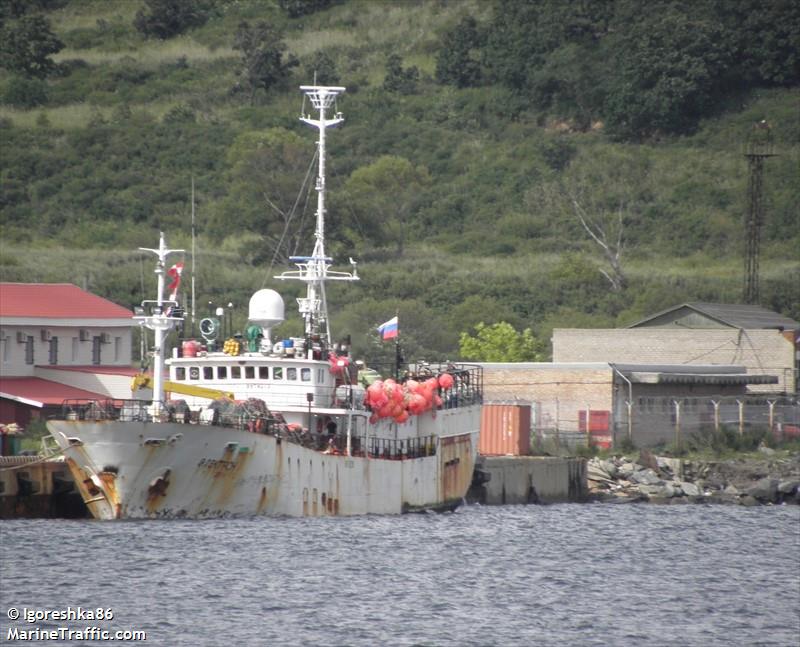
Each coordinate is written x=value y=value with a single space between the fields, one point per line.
x=257 y=426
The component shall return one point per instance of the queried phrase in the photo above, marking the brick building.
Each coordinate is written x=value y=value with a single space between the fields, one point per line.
x=636 y=400
x=764 y=342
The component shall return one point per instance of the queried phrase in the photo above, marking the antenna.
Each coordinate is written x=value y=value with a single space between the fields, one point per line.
x=314 y=269
x=159 y=321
x=194 y=300
x=759 y=147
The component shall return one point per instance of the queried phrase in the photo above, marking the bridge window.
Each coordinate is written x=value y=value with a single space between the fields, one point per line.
x=263 y=372
x=180 y=373
x=222 y=372
x=277 y=373
x=305 y=374
x=208 y=372
x=249 y=372
x=236 y=373
x=194 y=373
x=320 y=376
x=291 y=373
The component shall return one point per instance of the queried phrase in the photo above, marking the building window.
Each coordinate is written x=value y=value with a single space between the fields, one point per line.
x=117 y=349
x=29 y=349
x=96 y=348
x=75 y=351
x=53 y=350
x=6 y=349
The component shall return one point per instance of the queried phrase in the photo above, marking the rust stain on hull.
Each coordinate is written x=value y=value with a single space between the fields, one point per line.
x=94 y=498
x=456 y=466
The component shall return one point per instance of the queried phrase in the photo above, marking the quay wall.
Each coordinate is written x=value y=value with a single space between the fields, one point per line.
x=529 y=479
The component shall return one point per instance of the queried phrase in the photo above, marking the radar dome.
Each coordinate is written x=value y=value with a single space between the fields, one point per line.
x=266 y=310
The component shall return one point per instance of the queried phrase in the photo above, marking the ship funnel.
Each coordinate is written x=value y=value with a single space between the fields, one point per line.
x=266 y=310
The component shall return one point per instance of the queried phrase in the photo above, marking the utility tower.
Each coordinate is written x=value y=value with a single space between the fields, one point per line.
x=759 y=147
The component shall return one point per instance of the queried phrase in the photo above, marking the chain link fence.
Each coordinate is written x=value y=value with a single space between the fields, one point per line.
x=677 y=421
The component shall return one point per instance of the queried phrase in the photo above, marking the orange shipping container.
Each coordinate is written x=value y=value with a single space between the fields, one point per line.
x=505 y=430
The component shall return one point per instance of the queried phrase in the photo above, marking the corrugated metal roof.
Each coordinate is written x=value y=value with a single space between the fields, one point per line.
x=696 y=378
x=38 y=392
x=734 y=315
x=56 y=301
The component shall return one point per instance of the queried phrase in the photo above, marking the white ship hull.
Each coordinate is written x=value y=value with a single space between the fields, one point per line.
x=175 y=470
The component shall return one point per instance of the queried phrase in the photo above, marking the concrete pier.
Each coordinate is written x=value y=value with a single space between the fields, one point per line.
x=528 y=479
x=33 y=487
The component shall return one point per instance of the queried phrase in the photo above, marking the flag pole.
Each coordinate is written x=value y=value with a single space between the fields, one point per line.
x=398 y=357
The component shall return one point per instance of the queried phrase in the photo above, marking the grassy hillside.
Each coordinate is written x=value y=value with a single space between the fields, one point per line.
x=458 y=202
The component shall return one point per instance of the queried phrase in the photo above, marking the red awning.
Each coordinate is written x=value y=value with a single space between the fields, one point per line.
x=37 y=392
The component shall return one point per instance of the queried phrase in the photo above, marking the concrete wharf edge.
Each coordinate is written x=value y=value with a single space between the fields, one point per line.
x=529 y=479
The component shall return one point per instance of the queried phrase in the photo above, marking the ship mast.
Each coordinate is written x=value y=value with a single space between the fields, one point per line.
x=314 y=269
x=159 y=321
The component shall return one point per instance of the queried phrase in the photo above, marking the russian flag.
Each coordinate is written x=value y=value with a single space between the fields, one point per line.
x=388 y=330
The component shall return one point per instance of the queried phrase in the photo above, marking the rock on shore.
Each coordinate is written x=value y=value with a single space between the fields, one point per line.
x=658 y=479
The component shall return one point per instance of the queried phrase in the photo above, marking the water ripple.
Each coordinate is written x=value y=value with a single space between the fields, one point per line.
x=576 y=575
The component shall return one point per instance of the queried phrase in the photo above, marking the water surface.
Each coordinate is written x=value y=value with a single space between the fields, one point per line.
x=507 y=575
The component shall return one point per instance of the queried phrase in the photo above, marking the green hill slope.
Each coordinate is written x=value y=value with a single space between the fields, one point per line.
x=462 y=204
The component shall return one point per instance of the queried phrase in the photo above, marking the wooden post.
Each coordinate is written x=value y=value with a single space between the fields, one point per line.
x=716 y=415
x=629 y=404
x=588 y=435
x=771 y=404
x=741 y=417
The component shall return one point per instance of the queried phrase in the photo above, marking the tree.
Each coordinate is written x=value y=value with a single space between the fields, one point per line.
x=383 y=197
x=397 y=78
x=298 y=8
x=669 y=67
x=266 y=173
x=604 y=216
x=26 y=46
x=263 y=64
x=168 y=18
x=458 y=61
x=321 y=69
x=500 y=342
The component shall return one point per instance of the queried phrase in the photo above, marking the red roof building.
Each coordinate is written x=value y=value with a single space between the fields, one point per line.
x=56 y=301
x=60 y=342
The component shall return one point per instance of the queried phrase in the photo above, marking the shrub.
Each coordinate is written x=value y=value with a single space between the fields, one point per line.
x=24 y=93
x=167 y=18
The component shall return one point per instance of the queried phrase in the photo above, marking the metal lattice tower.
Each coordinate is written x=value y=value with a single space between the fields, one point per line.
x=759 y=147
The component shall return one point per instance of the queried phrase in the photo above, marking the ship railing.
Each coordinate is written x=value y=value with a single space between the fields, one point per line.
x=467 y=386
x=93 y=410
x=383 y=448
x=141 y=411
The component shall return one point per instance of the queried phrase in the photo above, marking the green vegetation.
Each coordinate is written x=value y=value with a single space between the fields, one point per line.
x=541 y=164
x=500 y=343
